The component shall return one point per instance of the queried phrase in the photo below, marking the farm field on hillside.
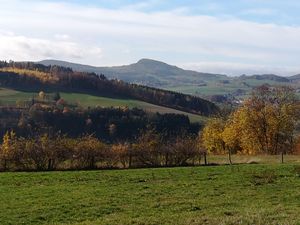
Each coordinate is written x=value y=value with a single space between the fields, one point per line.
x=216 y=87
x=210 y=89
x=10 y=97
x=240 y=194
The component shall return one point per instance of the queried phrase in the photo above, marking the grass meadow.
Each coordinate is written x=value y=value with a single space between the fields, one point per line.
x=10 y=97
x=239 y=194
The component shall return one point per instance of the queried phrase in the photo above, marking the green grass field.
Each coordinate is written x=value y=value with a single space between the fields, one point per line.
x=10 y=97
x=239 y=194
x=215 y=87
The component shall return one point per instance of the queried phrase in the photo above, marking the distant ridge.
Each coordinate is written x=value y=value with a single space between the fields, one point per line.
x=145 y=71
x=295 y=78
x=272 y=77
x=149 y=70
x=161 y=75
x=74 y=66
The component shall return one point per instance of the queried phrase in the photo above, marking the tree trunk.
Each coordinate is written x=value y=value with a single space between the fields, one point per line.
x=130 y=161
x=205 y=160
x=49 y=164
x=282 y=157
x=5 y=165
x=229 y=156
x=92 y=163
x=167 y=159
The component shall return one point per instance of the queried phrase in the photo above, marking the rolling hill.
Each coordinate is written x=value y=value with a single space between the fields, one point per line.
x=28 y=78
x=161 y=75
x=145 y=71
x=10 y=97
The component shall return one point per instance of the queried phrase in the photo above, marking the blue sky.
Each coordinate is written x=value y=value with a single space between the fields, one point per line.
x=226 y=36
x=262 y=11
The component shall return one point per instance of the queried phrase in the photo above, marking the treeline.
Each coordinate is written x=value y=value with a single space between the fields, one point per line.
x=266 y=123
x=108 y=124
x=36 y=77
x=44 y=152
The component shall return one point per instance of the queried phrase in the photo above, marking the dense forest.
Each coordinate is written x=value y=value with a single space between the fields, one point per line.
x=108 y=124
x=29 y=76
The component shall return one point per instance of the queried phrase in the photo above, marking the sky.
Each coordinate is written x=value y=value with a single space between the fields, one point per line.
x=231 y=37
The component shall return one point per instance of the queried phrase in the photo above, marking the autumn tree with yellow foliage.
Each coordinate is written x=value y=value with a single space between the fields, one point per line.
x=265 y=123
x=212 y=136
x=268 y=118
x=7 y=148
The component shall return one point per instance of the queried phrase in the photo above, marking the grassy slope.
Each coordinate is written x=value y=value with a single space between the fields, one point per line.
x=197 y=195
x=8 y=96
x=215 y=87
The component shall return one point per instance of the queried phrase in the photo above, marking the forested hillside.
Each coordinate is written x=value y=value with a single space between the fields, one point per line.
x=218 y=88
x=37 y=77
x=108 y=124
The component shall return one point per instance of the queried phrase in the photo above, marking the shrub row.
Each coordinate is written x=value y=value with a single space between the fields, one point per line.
x=87 y=152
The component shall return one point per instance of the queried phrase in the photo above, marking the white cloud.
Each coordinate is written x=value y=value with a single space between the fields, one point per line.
x=63 y=37
x=98 y=36
x=19 y=47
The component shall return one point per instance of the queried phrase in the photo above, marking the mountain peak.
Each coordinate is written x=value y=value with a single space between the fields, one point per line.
x=151 y=62
x=145 y=60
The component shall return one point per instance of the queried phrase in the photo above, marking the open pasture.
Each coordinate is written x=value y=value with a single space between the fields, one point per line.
x=238 y=194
